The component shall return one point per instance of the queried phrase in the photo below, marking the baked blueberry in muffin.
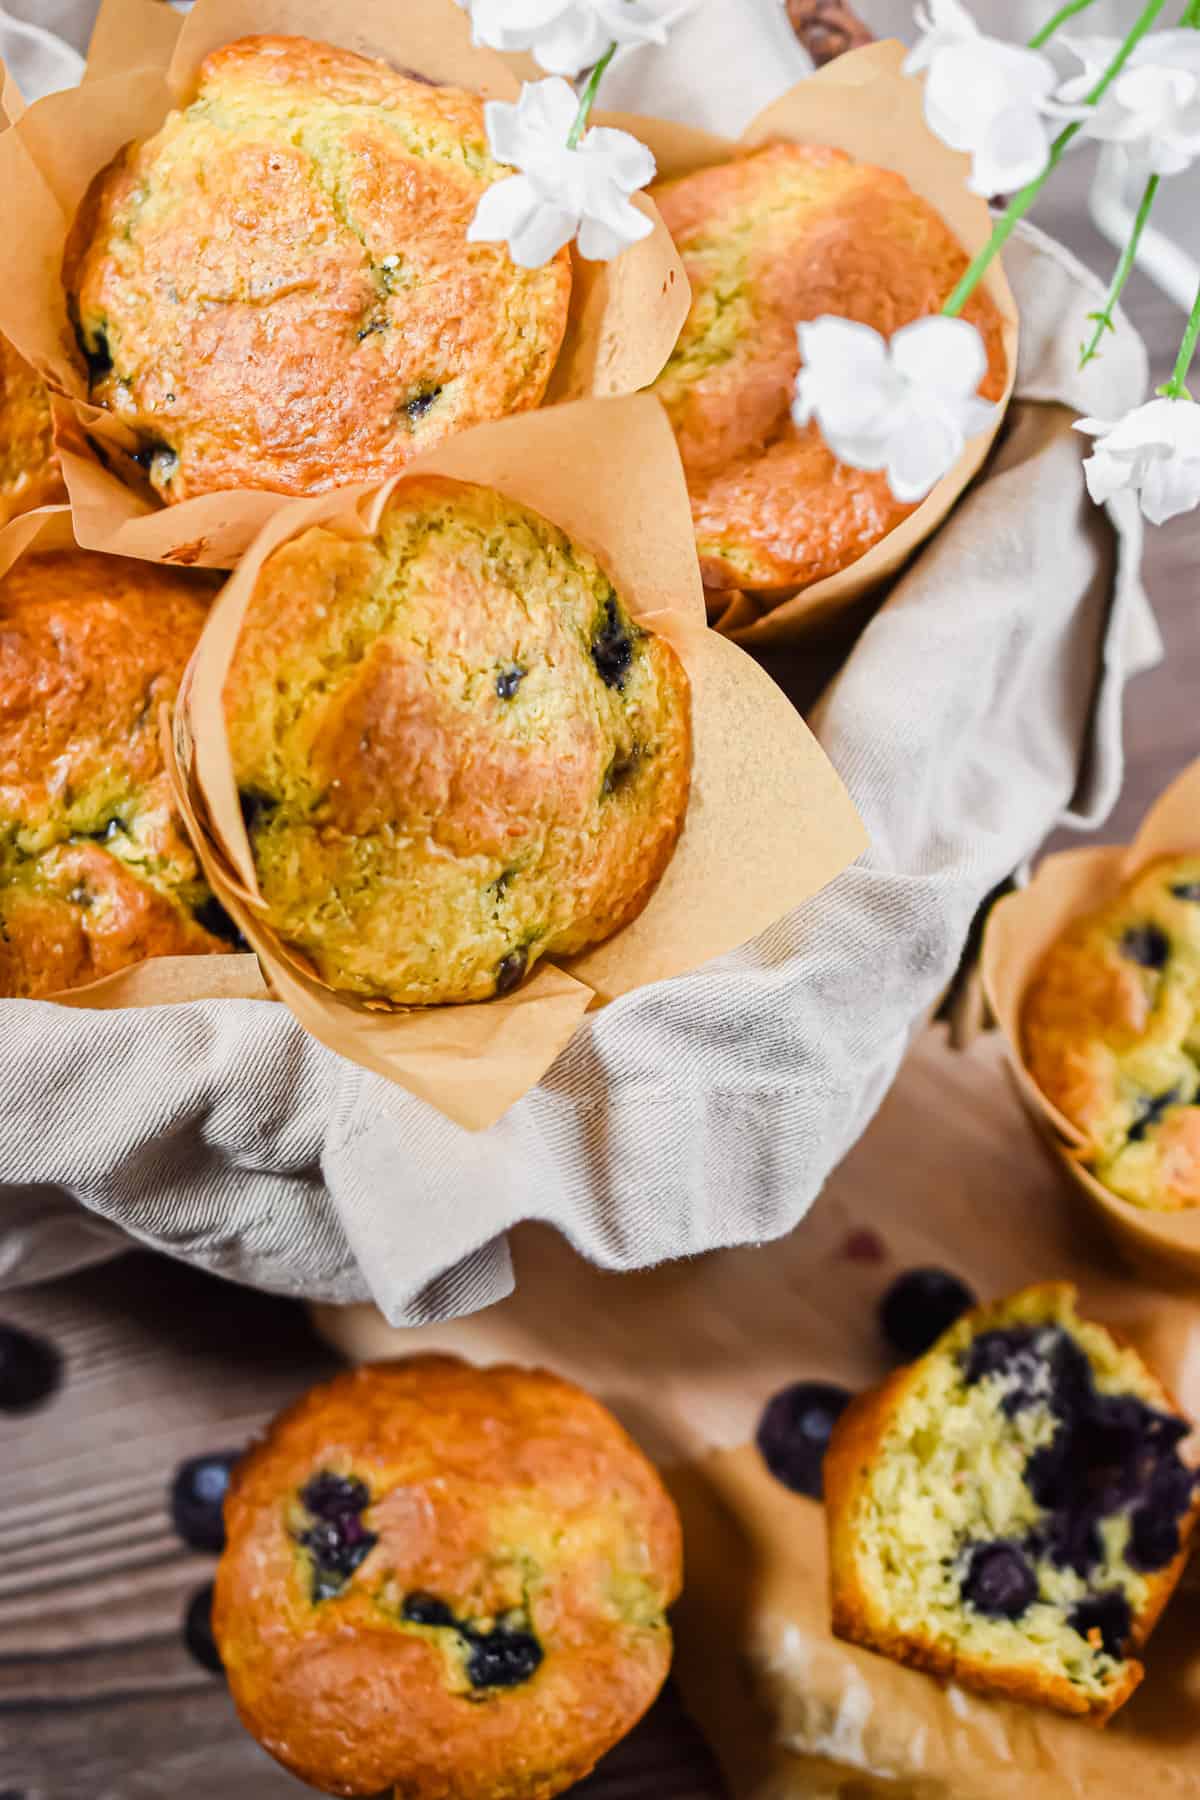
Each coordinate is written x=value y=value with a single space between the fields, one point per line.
x=455 y=750
x=96 y=872
x=1111 y=1031
x=776 y=237
x=276 y=290
x=1012 y=1510
x=29 y=471
x=445 y=1580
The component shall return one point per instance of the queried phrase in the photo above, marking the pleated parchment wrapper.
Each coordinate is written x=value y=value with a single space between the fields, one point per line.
x=688 y=1355
x=129 y=33
x=861 y=103
x=624 y=319
x=1020 y=931
x=768 y=823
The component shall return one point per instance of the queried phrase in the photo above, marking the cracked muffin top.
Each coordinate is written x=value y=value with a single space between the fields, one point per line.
x=455 y=751
x=276 y=291
x=1111 y=1028
x=96 y=872
x=447 y=1580
x=769 y=240
x=29 y=471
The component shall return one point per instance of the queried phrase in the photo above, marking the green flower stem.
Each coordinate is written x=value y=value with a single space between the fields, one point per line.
x=1104 y=318
x=1020 y=204
x=1060 y=18
x=1191 y=15
x=1176 y=388
x=588 y=98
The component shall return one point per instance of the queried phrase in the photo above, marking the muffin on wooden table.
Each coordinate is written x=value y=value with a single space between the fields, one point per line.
x=96 y=871
x=29 y=471
x=445 y=1580
x=1111 y=1029
x=276 y=290
x=1012 y=1511
x=771 y=239
x=456 y=753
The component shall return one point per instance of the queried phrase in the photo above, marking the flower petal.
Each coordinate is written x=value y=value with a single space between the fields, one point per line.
x=502 y=209
x=920 y=455
x=946 y=355
x=541 y=236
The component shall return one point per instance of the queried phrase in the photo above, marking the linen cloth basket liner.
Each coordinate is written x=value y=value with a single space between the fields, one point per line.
x=979 y=708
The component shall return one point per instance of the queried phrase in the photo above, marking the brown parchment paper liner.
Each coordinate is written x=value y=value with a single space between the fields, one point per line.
x=1020 y=931
x=625 y=315
x=863 y=104
x=688 y=1355
x=768 y=822
x=163 y=980
x=132 y=34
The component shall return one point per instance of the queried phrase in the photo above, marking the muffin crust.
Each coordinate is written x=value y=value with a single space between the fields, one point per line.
x=276 y=290
x=1111 y=1029
x=96 y=872
x=29 y=471
x=445 y=1580
x=455 y=751
x=776 y=237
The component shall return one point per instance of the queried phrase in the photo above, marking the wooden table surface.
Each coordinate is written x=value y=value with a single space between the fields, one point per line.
x=98 y=1698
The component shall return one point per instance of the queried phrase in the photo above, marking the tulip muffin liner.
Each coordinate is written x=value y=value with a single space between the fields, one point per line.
x=689 y=1356
x=128 y=31
x=864 y=104
x=1020 y=931
x=624 y=316
x=768 y=821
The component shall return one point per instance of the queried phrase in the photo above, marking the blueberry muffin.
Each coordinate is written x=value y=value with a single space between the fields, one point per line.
x=29 y=471
x=455 y=751
x=276 y=291
x=779 y=236
x=445 y=1580
x=96 y=872
x=1012 y=1510
x=1111 y=1029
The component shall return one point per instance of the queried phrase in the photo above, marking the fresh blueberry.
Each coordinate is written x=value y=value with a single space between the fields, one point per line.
x=30 y=1369
x=198 y=1631
x=919 y=1306
x=503 y=1658
x=612 y=648
x=198 y=1496
x=1000 y=1581
x=794 y=1432
x=1147 y=946
x=427 y=1609
x=1109 y=1616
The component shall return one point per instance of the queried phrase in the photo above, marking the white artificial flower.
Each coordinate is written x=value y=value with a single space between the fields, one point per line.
x=1154 y=450
x=560 y=193
x=986 y=97
x=565 y=36
x=907 y=406
x=1153 y=107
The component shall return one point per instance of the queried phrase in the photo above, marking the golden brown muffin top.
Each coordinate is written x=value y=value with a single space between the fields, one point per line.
x=276 y=290
x=445 y=1579
x=29 y=471
x=456 y=752
x=769 y=240
x=95 y=869
x=1111 y=1031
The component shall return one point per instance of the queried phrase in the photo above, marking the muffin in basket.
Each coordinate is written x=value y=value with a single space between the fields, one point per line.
x=455 y=751
x=95 y=870
x=447 y=1580
x=276 y=291
x=29 y=471
x=1012 y=1510
x=783 y=235
x=1111 y=1028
